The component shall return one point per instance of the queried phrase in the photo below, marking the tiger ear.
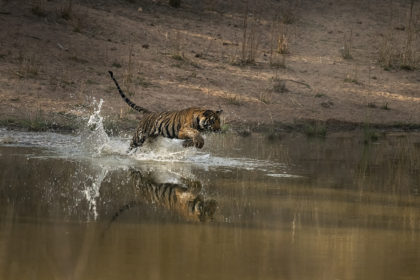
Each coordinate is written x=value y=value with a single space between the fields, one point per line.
x=219 y=112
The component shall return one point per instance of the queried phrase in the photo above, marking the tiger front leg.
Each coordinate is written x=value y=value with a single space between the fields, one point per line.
x=138 y=140
x=192 y=137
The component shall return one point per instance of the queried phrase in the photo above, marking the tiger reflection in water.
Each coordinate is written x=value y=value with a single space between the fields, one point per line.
x=181 y=198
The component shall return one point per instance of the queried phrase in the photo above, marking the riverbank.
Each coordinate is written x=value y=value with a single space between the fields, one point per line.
x=280 y=66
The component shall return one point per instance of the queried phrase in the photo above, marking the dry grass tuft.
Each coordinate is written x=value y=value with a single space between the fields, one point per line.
x=279 y=45
x=66 y=10
x=279 y=85
x=250 y=38
x=282 y=44
x=353 y=77
x=349 y=79
x=266 y=97
x=347 y=46
x=38 y=8
x=233 y=100
x=178 y=57
x=28 y=66
x=398 y=53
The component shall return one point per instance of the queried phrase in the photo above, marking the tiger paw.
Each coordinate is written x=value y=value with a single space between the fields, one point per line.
x=187 y=143
x=199 y=142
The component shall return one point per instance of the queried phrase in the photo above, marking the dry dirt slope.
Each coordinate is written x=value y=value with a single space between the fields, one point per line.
x=353 y=61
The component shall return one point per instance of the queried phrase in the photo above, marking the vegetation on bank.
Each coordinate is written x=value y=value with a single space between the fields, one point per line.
x=310 y=128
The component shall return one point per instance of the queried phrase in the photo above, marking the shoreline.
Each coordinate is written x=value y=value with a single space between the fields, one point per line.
x=113 y=126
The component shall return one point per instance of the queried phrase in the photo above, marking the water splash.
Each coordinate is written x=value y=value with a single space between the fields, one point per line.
x=91 y=191
x=94 y=145
x=163 y=150
x=94 y=137
x=170 y=151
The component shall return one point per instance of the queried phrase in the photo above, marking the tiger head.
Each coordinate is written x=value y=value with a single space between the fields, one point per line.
x=210 y=120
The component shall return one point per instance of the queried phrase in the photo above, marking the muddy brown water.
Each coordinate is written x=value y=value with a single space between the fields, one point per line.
x=243 y=208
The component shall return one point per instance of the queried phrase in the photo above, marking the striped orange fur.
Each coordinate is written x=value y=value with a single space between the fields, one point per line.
x=184 y=124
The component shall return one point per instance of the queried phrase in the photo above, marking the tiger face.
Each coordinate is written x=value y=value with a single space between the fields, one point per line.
x=210 y=121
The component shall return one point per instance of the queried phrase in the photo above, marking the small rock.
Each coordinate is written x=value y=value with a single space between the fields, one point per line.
x=145 y=46
x=140 y=10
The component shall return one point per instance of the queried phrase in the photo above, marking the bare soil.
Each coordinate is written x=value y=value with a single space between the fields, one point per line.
x=54 y=58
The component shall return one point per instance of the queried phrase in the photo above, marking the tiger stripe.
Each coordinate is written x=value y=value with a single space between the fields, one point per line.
x=183 y=124
x=184 y=198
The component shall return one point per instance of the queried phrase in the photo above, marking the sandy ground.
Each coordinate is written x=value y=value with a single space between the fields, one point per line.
x=54 y=60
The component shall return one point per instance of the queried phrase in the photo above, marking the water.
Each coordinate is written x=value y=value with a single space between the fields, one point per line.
x=81 y=207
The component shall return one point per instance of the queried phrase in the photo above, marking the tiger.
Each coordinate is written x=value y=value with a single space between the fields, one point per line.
x=186 y=124
x=183 y=198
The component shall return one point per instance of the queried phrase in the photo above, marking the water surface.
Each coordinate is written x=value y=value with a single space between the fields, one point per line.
x=81 y=207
